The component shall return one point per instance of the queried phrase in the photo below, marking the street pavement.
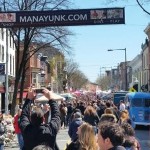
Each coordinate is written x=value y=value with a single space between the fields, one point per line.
x=62 y=140
x=142 y=134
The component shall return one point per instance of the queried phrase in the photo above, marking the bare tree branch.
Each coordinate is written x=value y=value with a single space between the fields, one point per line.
x=142 y=7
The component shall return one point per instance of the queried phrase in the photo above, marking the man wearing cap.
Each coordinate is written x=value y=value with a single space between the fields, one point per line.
x=34 y=131
x=73 y=127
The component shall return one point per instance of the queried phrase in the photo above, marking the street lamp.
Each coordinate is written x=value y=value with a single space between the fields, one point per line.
x=124 y=49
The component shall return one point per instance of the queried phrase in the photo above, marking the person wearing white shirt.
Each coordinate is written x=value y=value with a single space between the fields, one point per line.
x=122 y=106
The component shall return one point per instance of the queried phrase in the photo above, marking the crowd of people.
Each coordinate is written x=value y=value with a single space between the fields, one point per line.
x=111 y=125
x=92 y=123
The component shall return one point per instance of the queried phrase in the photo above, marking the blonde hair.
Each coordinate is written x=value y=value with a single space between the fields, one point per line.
x=87 y=137
x=108 y=111
x=124 y=115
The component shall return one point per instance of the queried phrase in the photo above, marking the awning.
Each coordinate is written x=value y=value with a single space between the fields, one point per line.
x=23 y=96
x=41 y=98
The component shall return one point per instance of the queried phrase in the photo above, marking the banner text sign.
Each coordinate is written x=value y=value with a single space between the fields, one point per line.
x=76 y=17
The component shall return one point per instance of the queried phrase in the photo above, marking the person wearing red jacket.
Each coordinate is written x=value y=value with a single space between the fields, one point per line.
x=17 y=128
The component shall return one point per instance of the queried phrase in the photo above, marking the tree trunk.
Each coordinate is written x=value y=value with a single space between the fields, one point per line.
x=18 y=75
x=22 y=84
x=14 y=96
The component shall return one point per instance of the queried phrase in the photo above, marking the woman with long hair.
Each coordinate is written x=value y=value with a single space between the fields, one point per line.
x=124 y=117
x=91 y=117
x=86 y=139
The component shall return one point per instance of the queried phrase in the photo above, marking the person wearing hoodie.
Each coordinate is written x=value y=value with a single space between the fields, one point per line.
x=73 y=127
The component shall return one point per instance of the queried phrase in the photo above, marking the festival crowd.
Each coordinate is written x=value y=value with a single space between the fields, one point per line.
x=92 y=123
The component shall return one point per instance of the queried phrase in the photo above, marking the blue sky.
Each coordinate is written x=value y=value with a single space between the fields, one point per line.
x=90 y=43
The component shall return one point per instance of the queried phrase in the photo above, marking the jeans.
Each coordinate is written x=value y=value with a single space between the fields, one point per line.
x=1 y=146
x=20 y=140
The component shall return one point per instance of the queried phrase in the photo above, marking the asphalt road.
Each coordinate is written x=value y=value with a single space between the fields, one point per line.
x=142 y=134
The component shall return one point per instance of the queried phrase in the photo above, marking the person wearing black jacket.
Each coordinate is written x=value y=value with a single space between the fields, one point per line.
x=91 y=117
x=34 y=131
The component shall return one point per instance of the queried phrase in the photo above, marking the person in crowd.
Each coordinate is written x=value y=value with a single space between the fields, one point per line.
x=69 y=112
x=42 y=147
x=101 y=109
x=47 y=113
x=73 y=127
x=63 y=115
x=17 y=128
x=91 y=117
x=110 y=136
x=130 y=143
x=2 y=132
x=72 y=115
x=108 y=111
x=109 y=104
x=34 y=131
x=124 y=117
x=86 y=139
x=81 y=107
x=116 y=112
x=108 y=117
x=122 y=106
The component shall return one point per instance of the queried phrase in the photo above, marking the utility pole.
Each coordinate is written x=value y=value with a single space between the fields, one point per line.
x=126 y=78
x=125 y=66
x=6 y=77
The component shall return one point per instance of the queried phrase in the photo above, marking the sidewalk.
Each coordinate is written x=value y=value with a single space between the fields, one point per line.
x=62 y=138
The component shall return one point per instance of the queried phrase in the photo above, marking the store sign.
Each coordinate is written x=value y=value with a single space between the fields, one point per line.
x=62 y=17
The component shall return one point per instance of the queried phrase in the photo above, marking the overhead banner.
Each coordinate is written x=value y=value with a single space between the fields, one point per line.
x=76 y=17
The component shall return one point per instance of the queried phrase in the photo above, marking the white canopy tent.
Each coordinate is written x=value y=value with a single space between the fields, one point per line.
x=41 y=98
